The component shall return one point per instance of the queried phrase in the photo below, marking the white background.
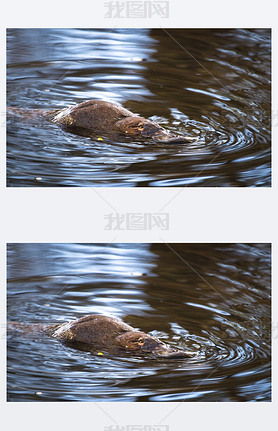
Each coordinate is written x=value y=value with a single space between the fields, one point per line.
x=196 y=215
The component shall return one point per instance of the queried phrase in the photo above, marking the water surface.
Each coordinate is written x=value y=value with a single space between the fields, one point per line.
x=209 y=298
x=213 y=84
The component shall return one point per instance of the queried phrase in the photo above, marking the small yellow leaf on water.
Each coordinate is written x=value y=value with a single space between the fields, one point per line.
x=100 y=139
x=100 y=353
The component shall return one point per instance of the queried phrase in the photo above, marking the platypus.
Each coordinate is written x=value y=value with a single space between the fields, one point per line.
x=107 y=117
x=96 y=332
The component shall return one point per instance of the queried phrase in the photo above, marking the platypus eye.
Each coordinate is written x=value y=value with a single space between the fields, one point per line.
x=139 y=126
x=139 y=341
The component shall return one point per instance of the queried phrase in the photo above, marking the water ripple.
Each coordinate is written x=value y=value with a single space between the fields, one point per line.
x=223 y=99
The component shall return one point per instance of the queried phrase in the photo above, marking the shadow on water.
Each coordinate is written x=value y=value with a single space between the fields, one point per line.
x=213 y=299
x=212 y=84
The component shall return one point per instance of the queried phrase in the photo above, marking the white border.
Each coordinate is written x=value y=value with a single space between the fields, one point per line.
x=196 y=215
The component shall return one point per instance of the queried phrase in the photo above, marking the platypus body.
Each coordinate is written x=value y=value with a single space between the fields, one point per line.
x=108 y=117
x=97 y=332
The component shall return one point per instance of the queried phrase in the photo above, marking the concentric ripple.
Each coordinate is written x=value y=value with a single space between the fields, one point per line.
x=210 y=84
x=212 y=299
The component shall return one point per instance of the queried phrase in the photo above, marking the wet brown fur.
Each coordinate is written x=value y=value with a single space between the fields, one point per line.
x=102 y=331
x=94 y=332
x=100 y=116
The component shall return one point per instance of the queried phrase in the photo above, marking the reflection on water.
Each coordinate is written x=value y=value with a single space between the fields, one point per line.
x=212 y=84
x=211 y=298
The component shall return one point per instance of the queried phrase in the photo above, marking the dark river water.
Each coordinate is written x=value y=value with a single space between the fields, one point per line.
x=213 y=299
x=210 y=84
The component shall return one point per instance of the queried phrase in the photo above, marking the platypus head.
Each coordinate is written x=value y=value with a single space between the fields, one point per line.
x=139 y=126
x=136 y=341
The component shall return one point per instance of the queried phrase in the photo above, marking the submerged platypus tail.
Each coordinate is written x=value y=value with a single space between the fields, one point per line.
x=29 y=328
x=30 y=114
